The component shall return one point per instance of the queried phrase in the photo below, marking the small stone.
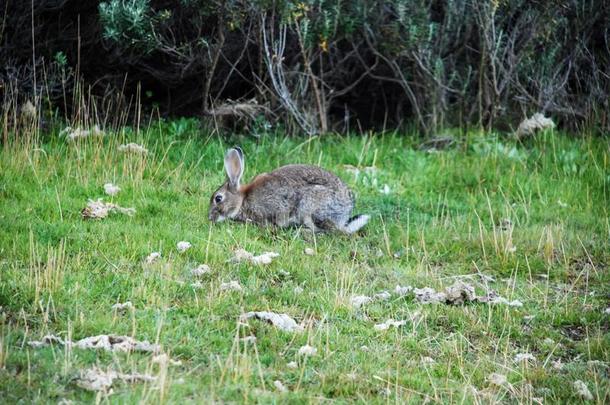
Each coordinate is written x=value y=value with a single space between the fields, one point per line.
x=309 y=251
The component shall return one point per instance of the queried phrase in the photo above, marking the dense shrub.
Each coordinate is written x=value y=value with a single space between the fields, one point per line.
x=320 y=65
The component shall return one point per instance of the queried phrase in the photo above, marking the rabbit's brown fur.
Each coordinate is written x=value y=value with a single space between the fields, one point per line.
x=292 y=195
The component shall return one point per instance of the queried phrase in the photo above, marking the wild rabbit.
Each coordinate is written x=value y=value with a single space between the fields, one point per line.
x=292 y=195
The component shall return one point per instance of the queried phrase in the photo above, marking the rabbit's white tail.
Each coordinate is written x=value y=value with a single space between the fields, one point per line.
x=356 y=223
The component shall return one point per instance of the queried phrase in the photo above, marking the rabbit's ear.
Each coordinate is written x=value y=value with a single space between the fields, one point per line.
x=234 y=166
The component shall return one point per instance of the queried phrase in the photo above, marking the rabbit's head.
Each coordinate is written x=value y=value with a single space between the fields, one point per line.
x=227 y=200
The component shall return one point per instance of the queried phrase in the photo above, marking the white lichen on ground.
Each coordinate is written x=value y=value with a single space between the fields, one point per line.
x=73 y=134
x=522 y=357
x=249 y=339
x=183 y=246
x=95 y=379
x=387 y=324
x=111 y=189
x=497 y=379
x=582 y=390
x=281 y=321
x=231 y=286
x=104 y=342
x=164 y=359
x=280 y=386
x=121 y=307
x=153 y=257
x=242 y=255
x=402 y=291
x=360 y=300
x=99 y=209
x=133 y=148
x=535 y=123
x=200 y=270
x=307 y=351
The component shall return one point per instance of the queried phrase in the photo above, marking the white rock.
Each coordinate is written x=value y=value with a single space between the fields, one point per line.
x=309 y=251
x=292 y=365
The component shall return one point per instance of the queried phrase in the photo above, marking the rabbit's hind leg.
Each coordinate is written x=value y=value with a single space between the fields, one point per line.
x=307 y=222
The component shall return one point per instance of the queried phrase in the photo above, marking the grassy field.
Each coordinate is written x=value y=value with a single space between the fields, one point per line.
x=529 y=221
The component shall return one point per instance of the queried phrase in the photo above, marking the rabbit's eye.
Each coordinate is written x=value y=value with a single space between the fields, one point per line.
x=218 y=198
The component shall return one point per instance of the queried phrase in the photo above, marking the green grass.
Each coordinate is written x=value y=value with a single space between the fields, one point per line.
x=61 y=274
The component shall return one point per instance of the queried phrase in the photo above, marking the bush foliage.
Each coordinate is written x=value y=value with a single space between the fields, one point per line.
x=320 y=65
